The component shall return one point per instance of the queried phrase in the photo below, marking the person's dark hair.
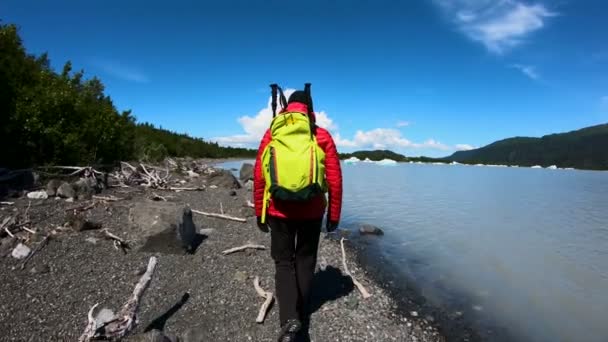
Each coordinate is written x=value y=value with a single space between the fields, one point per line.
x=299 y=96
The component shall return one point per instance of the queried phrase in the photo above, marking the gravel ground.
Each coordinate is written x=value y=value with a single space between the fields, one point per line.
x=203 y=296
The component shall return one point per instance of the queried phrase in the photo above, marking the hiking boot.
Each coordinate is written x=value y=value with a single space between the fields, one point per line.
x=289 y=330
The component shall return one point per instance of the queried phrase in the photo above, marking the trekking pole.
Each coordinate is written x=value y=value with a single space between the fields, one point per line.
x=307 y=91
x=274 y=99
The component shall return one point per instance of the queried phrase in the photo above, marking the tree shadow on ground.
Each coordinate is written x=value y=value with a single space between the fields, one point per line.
x=160 y=322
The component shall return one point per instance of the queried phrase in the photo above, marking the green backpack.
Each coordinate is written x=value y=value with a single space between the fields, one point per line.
x=293 y=164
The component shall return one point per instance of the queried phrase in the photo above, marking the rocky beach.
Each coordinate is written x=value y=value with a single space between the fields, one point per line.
x=62 y=255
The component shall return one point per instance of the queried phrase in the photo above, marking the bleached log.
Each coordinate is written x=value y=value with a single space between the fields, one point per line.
x=359 y=286
x=268 y=296
x=156 y=197
x=225 y=217
x=126 y=320
x=36 y=250
x=118 y=242
x=242 y=248
x=83 y=208
x=129 y=166
x=107 y=198
x=28 y=230
x=6 y=224
x=6 y=203
x=187 y=189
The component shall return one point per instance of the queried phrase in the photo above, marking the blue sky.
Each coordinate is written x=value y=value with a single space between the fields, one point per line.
x=419 y=77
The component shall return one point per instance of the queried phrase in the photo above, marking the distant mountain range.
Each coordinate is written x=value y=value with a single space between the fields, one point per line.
x=585 y=148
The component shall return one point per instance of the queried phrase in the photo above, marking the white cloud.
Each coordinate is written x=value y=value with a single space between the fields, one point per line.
x=498 y=24
x=121 y=71
x=256 y=126
x=464 y=147
x=382 y=138
x=527 y=70
x=434 y=145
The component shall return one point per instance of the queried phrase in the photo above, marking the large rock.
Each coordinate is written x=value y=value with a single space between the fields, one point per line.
x=52 y=186
x=249 y=185
x=85 y=188
x=6 y=246
x=19 y=180
x=164 y=227
x=368 y=229
x=246 y=172
x=37 y=195
x=21 y=251
x=223 y=179
x=66 y=190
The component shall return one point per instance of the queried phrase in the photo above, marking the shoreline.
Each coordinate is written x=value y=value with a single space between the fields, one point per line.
x=409 y=297
x=198 y=296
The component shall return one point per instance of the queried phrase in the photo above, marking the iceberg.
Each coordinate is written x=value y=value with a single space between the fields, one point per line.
x=537 y=167
x=386 y=162
x=352 y=160
x=552 y=167
x=367 y=160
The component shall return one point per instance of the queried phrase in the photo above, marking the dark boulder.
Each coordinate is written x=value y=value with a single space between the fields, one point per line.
x=223 y=179
x=66 y=190
x=368 y=229
x=52 y=186
x=19 y=179
x=164 y=227
x=246 y=172
x=85 y=188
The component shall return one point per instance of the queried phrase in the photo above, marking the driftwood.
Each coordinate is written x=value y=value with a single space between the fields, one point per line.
x=6 y=203
x=26 y=216
x=200 y=188
x=83 y=207
x=225 y=217
x=242 y=248
x=107 y=198
x=36 y=250
x=268 y=296
x=29 y=230
x=119 y=243
x=124 y=322
x=360 y=287
x=6 y=223
x=157 y=197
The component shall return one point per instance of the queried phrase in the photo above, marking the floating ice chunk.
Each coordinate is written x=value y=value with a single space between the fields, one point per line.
x=386 y=162
x=352 y=160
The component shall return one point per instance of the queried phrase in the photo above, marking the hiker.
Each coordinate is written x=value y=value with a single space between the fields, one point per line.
x=297 y=164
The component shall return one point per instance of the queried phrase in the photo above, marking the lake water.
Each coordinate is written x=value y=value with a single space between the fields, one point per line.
x=516 y=250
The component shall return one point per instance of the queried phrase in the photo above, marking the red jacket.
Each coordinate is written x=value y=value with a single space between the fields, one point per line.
x=315 y=208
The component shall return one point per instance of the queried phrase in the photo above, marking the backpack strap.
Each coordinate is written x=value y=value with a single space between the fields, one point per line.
x=282 y=98
x=274 y=89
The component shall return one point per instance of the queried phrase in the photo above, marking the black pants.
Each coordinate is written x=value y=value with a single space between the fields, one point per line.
x=294 y=246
